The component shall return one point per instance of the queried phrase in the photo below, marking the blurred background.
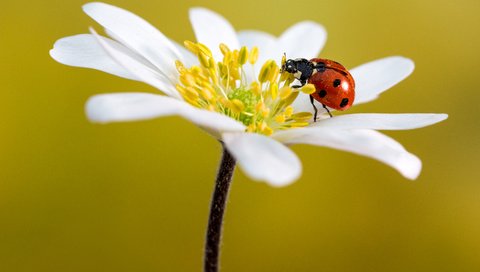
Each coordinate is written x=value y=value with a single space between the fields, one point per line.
x=76 y=196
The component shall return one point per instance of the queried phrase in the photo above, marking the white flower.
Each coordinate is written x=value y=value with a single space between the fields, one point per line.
x=217 y=97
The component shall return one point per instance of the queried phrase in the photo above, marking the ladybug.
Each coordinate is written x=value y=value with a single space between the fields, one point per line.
x=334 y=85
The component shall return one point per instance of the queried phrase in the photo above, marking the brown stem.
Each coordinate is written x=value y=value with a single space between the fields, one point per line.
x=217 y=210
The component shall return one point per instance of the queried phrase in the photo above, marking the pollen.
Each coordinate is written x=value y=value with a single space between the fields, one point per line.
x=263 y=104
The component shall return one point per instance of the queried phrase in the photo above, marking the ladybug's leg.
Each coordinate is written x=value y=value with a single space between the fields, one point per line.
x=325 y=107
x=315 y=108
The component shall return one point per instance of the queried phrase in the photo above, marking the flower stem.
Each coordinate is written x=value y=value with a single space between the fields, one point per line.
x=217 y=210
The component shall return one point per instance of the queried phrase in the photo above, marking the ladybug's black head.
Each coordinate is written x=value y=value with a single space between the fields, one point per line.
x=290 y=66
x=302 y=69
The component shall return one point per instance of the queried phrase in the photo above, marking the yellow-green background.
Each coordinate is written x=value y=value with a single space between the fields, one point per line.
x=134 y=196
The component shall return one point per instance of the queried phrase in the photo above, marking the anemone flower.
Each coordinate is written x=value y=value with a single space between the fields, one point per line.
x=229 y=84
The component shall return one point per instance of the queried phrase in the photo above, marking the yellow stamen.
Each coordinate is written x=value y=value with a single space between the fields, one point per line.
x=225 y=102
x=187 y=79
x=235 y=57
x=302 y=116
x=227 y=58
x=265 y=71
x=180 y=67
x=237 y=106
x=298 y=124
x=285 y=92
x=204 y=49
x=234 y=73
x=273 y=72
x=274 y=90
x=191 y=46
x=253 y=55
x=267 y=131
x=265 y=112
x=260 y=106
x=251 y=128
x=256 y=89
x=243 y=55
x=289 y=100
x=288 y=111
x=308 y=89
x=206 y=93
x=262 y=125
x=280 y=118
x=223 y=70
x=224 y=49
x=204 y=59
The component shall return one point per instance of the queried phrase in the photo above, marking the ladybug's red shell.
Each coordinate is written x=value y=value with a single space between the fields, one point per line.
x=334 y=85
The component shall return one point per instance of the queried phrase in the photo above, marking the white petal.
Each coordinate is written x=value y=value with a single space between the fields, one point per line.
x=138 y=69
x=121 y=107
x=265 y=42
x=263 y=158
x=84 y=51
x=260 y=39
x=303 y=40
x=373 y=78
x=211 y=29
x=137 y=34
x=368 y=143
x=382 y=121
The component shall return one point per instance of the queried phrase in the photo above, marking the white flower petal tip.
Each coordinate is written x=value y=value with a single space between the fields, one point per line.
x=211 y=29
x=137 y=34
x=84 y=51
x=369 y=143
x=373 y=78
x=303 y=40
x=378 y=121
x=120 y=107
x=409 y=166
x=263 y=158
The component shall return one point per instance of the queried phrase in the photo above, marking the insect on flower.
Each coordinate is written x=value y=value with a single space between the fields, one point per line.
x=334 y=85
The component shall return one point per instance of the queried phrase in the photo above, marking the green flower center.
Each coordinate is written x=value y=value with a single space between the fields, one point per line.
x=249 y=100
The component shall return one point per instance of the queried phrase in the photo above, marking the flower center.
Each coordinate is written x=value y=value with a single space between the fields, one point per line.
x=263 y=104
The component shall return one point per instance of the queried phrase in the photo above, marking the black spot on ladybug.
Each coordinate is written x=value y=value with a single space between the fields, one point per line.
x=344 y=102
x=322 y=93
x=336 y=83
